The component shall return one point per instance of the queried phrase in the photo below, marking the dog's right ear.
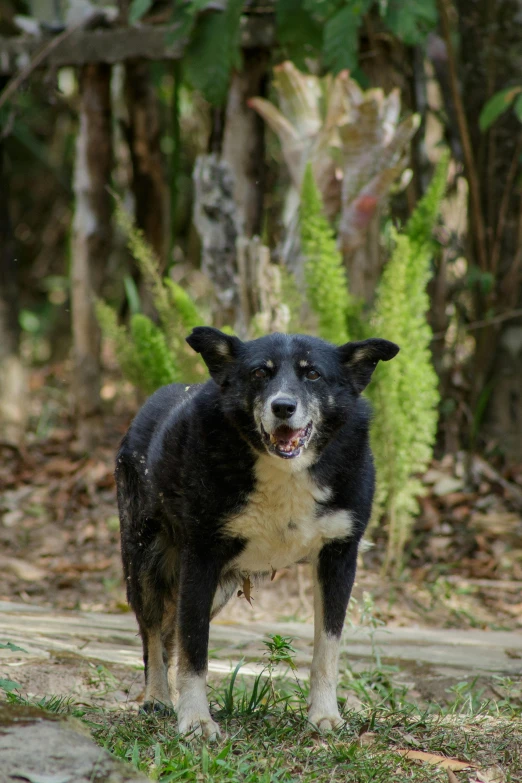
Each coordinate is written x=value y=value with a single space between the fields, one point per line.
x=219 y=350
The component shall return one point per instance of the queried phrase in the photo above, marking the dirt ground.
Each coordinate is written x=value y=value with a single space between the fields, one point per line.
x=59 y=539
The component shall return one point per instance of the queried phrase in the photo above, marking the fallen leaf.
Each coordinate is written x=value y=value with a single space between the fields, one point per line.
x=12 y=518
x=447 y=485
x=367 y=738
x=490 y=775
x=451 y=777
x=246 y=590
x=61 y=466
x=63 y=566
x=410 y=739
x=434 y=758
x=22 y=569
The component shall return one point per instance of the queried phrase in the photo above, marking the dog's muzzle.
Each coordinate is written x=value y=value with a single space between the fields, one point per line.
x=286 y=442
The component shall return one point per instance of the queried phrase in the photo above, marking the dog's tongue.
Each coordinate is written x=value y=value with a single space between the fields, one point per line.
x=286 y=439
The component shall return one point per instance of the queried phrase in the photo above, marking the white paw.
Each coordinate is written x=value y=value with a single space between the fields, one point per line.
x=325 y=721
x=194 y=725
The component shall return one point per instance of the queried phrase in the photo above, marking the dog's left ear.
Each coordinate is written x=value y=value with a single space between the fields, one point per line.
x=218 y=349
x=361 y=358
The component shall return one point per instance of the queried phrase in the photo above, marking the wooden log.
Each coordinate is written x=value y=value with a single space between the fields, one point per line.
x=91 y=243
x=118 y=44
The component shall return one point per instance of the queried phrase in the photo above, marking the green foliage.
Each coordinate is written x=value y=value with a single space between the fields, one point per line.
x=156 y=363
x=141 y=350
x=186 y=310
x=500 y=103
x=9 y=685
x=152 y=355
x=405 y=391
x=327 y=287
x=300 y=24
x=12 y=647
x=137 y=9
x=214 y=45
x=298 y=33
x=327 y=30
x=410 y=21
x=341 y=36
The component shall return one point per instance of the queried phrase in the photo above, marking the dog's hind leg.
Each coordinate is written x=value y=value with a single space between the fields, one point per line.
x=150 y=614
x=169 y=634
x=157 y=695
x=145 y=591
x=334 y=574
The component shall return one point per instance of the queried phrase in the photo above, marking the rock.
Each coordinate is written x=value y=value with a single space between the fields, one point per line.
x=42 y=748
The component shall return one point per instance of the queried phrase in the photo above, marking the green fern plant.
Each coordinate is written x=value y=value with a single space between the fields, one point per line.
x=325 y=276
x=152 y=355
x=405 y=392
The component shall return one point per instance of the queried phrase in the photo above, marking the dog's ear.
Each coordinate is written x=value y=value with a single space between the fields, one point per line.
x=361 y=358
x=219 y=350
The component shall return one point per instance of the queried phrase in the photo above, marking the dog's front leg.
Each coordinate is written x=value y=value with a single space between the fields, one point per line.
x=334 y=574
x=199 y=577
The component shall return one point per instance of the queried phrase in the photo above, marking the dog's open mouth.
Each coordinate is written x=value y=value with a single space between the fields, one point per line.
x=286 y=442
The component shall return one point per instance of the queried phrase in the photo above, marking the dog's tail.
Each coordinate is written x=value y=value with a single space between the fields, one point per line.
x=131 y=507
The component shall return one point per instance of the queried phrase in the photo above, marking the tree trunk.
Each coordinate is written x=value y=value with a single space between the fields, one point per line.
x=91 y=242
x=215 y=217
x=13 y=384
x=244 y=139
x=144 y=136
x=491 y=58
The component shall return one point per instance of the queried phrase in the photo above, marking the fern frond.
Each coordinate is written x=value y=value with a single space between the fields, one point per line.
x=214 y=50
x=405 y=391
x=325 y=277
x=341 y=38
x=151 y=354
x=185 y=308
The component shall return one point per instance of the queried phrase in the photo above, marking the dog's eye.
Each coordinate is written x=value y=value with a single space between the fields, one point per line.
x=312 y=375
x=259 y=373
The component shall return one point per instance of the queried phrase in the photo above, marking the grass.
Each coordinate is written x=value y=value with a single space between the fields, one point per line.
x=268 y=739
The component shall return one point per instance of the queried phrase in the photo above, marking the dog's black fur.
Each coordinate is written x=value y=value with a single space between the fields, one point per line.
x=283 y=413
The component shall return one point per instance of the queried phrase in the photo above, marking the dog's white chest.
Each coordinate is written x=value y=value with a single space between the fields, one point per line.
x=283 y=522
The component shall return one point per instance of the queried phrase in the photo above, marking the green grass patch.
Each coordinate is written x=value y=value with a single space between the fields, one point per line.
x=267 y=738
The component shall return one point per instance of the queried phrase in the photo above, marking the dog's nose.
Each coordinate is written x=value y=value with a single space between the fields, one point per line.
x=284 y=407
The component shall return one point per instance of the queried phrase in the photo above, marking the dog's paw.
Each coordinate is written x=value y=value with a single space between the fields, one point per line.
x=193 y=726
x=156 y=708
x=325 y=721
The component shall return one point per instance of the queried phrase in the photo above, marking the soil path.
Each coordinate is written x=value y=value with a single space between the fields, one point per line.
x=97 y=657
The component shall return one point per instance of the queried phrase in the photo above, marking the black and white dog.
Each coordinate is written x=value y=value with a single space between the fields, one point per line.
x=265 y=465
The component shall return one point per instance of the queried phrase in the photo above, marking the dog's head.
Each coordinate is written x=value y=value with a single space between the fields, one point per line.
x=289 y=393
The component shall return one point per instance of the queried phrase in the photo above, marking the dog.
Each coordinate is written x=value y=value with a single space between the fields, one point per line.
x=265 y=465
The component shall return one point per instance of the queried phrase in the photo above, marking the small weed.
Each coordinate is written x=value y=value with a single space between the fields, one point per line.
x=12 y=647
x=102 y=679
